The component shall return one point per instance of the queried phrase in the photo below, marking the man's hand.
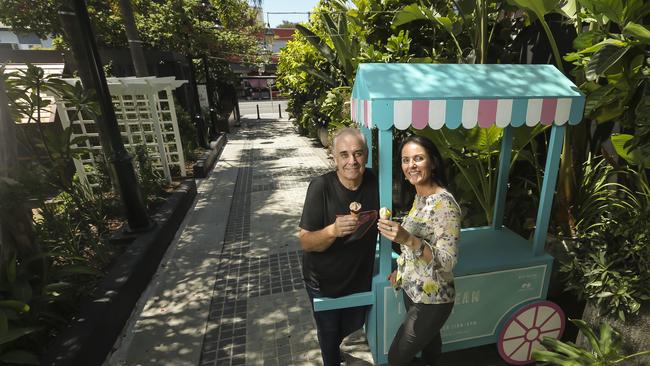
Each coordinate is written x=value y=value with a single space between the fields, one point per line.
x=320 y=240
x=345 y=225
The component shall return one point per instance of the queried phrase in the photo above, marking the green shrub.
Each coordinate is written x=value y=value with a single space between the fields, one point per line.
x=152 y=182
x=606 y=349
x=608 y=262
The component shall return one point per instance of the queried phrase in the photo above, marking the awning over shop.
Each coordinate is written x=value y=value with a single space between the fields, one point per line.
x=454 y=95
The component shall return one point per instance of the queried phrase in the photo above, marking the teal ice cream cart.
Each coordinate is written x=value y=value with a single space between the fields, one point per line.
x=501 y=278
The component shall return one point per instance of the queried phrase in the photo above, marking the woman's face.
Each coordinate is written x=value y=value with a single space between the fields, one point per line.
x=416 y=164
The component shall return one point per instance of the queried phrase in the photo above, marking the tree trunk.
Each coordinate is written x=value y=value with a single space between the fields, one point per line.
x=7 y=159
x=634 y=331
x=79 y=34
x=7 y=134
x=135 y=44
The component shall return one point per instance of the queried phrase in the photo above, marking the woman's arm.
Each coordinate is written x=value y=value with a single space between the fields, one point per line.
x=445 y=222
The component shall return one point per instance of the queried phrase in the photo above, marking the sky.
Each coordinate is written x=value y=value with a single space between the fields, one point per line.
x=287 y=6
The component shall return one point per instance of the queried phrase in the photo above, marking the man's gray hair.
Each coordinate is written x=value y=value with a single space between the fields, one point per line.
x=349 y=131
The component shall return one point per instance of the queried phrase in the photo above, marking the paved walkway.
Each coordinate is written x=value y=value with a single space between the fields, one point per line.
x=229 y=291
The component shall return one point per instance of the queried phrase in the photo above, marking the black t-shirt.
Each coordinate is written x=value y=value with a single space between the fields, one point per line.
x=346 y=266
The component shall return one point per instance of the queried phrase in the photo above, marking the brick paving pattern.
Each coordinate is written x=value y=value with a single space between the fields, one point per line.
x=260 y=313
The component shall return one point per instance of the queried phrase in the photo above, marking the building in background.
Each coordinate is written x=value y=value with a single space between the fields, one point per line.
x=257 y=81
x=13 y=40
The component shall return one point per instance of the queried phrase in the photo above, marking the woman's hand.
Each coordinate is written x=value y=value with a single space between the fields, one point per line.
x=392 y=277
x=393 y=231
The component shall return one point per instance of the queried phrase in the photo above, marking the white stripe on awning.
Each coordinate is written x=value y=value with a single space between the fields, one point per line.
x=563 y=110
x=402 y=114
x=470 y=113
x=534 y=111
x=504 y=112
x=437 y=109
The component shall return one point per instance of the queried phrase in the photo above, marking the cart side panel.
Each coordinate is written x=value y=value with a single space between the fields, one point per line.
x=483 y=301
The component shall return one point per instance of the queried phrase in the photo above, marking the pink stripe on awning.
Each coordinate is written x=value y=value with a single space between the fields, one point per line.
x=549 y=106
x=353 y=111
x=487 y=112
x=365 y=113
x=420 y=114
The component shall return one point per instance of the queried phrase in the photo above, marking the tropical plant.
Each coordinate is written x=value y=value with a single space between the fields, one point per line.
x=337 y=47
x=151 y=181
x=302 y=88
x=30 y=92
x=339 y=35
x=609 y=261
x=475 y=154
x=606 y=349
x=610 y=68
x=54 y=250
x=464 y=30
x=43 y=279
x=334 y=107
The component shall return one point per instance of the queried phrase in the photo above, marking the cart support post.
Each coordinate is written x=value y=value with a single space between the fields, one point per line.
x=385 y=192
x=548 y=188
x=502 y=181
x=367 y=134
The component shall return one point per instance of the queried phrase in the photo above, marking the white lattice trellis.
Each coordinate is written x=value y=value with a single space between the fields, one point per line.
x=146 y=115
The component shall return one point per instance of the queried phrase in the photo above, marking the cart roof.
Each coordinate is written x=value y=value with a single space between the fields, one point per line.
x=454 y=95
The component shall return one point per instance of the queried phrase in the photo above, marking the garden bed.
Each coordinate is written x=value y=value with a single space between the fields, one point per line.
x=91 y=334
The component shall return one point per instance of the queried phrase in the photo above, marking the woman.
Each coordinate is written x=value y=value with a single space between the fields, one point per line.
x=428 y=237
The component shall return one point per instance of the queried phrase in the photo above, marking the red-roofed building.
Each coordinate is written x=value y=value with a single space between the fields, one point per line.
x=260 y=76
x=280 y=38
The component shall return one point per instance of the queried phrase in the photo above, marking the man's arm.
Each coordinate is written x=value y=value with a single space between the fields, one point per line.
x=320 y=240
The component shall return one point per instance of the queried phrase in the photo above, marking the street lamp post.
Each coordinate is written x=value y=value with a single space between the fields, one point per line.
x=269 y=36
x=76 y=26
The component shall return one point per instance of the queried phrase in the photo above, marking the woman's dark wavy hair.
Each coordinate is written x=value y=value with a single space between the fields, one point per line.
x=438 y=171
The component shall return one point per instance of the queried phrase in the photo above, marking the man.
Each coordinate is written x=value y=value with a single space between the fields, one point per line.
x=339 y=245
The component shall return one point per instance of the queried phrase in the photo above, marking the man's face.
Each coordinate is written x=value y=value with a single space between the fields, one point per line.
x=350 y=157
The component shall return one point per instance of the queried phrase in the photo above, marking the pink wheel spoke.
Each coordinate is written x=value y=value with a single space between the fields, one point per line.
x=547 y=319
x=535 y=316
x=530 y=350
x=517 y=349
x=550 y=330
x=515 y=337
x=522 y=324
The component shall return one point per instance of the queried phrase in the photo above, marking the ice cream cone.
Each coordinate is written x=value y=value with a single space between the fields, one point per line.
x=385 y=213
x=355 y=208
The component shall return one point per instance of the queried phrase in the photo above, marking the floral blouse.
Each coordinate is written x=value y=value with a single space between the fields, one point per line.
x=434 y=219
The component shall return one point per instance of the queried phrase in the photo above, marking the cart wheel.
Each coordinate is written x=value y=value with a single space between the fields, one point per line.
x=524 y=329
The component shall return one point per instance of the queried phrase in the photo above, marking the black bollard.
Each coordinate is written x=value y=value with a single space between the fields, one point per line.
x=279 y=111
x=258 y=110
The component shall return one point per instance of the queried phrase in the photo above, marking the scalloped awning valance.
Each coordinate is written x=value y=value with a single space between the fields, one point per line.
x=455 y=95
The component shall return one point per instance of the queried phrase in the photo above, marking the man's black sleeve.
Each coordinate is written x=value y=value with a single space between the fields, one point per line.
x=313 y=211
